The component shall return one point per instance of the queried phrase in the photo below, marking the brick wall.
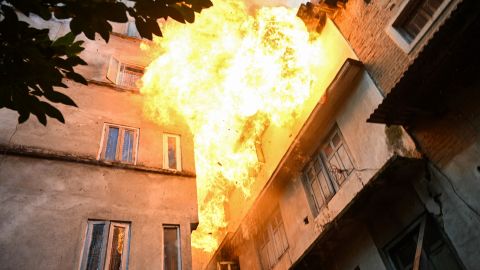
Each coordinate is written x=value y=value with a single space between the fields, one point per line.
x=364 y=26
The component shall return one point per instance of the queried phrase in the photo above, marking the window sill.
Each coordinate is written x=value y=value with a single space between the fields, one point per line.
x=115 y=87
x=33 y=152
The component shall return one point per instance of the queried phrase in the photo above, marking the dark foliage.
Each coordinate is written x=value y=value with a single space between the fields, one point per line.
x=31 y=64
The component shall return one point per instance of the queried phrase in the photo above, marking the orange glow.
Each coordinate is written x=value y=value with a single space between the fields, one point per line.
x=230 y=75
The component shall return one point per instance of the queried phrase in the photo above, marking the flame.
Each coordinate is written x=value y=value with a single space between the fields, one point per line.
x=230 y=75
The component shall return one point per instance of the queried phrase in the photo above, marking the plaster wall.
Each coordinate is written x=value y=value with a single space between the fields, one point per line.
x=369 y=150
x=45 y=206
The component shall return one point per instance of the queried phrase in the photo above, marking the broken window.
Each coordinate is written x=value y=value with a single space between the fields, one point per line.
x=106 y=246
x=272 y=240
x=123 y=74
x=327 y=171
x=171 y=152
x=422 y=246
x=119 y=143
x=171 y=247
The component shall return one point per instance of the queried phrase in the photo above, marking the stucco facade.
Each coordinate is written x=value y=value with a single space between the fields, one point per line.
x=55 y=180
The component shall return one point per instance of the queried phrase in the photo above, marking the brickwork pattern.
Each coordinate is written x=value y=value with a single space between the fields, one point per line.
x=364 y=26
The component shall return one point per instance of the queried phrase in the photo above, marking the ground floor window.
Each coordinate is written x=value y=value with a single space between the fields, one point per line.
x=421 y=246
x=171 y=247
x=106 y=245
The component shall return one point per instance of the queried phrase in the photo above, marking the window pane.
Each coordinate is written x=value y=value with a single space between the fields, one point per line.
x=336 y=139
x=171 y=246
x=95 y=250
x=116 y=251
x=129 y=75
x=127 y=149
x=172 y=152
x=346 y=162
x=112 y=141
x=326 y=185
x=317 y=193
x=336 y=169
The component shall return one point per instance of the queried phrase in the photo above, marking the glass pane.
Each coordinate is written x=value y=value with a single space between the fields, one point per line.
x=95 y=250
x=112 y=141
x=346 y=162
x=130 y=75
x=328 y=150
x=336 y=169
x=172 y=152
x=317 y=193
x=127 y=149
x=326 y=184
x=336 y=139
x=116 y=251
x=171 y=247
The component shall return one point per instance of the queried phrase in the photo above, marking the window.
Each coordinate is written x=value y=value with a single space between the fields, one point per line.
x=124 y=75
x=421 y=246
x=327 y=171
x=119 y=143
x=106 y=246
x=413 y=20
x=171 y=152
x=272 y=241
x=171 y=247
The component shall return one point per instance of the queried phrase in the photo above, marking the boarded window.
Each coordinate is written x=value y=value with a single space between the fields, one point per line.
x=171 y=247
x=171 y=152
x=120 y=143
x=106 y=246
x=272 y=240
x=327 y=171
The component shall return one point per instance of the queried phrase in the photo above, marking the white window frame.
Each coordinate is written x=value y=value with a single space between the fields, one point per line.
x=118 y=153
x=179 y=250
x=178 y=152
x=321 y=161
x=398 y=37
x=275 y=235
x=106 y=243
x=114 y=72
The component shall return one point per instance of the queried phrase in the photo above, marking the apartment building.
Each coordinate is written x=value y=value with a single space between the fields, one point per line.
x=109 y=189
x=350 y=192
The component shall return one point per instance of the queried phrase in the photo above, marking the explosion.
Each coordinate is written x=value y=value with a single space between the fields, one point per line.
x=230 y=75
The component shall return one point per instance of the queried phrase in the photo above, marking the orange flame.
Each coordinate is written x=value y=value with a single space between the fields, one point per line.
x=230 y=75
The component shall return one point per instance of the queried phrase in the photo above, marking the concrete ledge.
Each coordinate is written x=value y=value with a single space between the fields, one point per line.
x=32 y=152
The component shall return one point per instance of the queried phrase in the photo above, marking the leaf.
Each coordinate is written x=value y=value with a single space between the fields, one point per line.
x=117 y=13
x=76 y=77
x=52 y=112
x=23 y=117
x=66 y=40
x=175 y=14
x=58 y=97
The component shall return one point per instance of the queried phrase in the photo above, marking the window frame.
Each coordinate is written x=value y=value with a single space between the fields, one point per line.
x=279 y=249
x=319 y=163
x=178 y=152
x=404 y=10
x=120 y=140
x=106 y=243
x=420 y=226
x=114 y=72
x=179 y=249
